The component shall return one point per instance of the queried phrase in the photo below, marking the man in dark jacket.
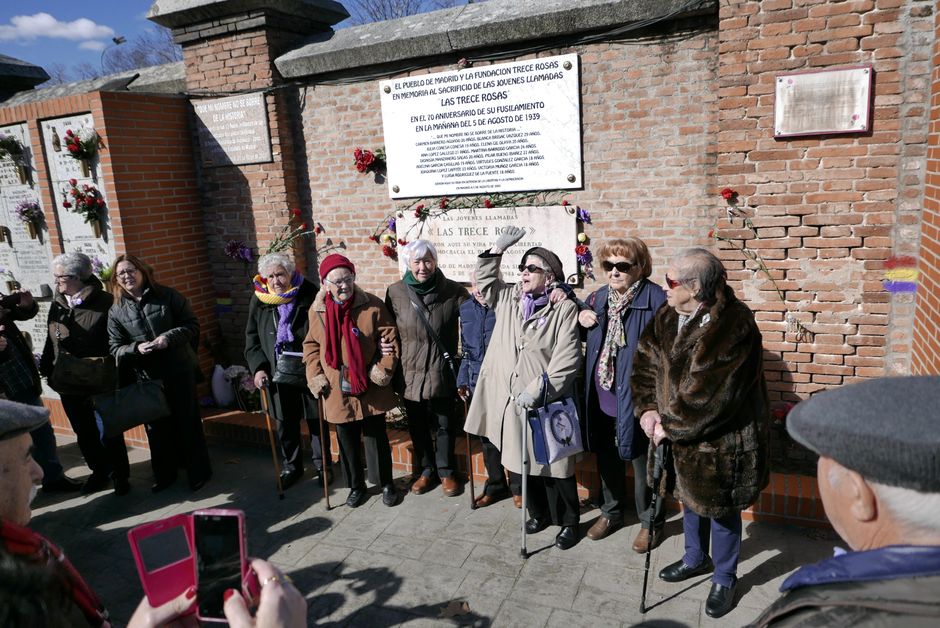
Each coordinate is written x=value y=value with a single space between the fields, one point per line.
x=19 y=381
x=879 y=481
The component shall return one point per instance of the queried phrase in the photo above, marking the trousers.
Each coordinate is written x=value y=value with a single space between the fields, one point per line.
x=725 y=534
x=371 y=433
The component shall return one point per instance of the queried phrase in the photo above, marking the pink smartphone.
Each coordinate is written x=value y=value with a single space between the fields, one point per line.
x=163 y=551
x=221 y=561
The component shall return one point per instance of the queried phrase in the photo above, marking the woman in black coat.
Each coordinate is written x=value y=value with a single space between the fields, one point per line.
x=277 y=323
x=152 y=331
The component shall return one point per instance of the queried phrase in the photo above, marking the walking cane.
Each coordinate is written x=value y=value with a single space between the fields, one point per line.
x=659 y=463
x=267 y=421
x=324 y=438
x=473 y=497
x=525 y=482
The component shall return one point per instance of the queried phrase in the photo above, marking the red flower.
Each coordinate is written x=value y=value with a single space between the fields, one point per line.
x=303 y=225
x=443 y=203
x=357 y=153
x=581 y=249
x=417 y=213
x=711 y=234
x=402 y=241
x=388 y=251
x=564 y=203
x=73 y=182
x=69 y=132
x=374 y=238
x=100 y=202
x=66 y=204
x=72 y=148
x=487 y=204
x=295 y=212
x=367 y=157
x=318 y=230
x=419 y=207
x=728 y=194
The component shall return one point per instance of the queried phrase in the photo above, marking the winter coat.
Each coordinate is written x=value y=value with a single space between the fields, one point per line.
x=900 y=586
x=161 y=311
x=373 y=322
x=707 y=382
x=81 y=330
x=520 y=351
x=476 y=329
x=261 y=330
x=631 y=440
x=424 y=371
x=17 y=342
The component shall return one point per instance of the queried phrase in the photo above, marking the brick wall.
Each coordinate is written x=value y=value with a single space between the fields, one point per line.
x=926 y=344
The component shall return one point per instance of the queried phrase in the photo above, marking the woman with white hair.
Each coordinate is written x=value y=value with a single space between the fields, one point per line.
x=78 y=364
x=426 y=307
x=277 y=326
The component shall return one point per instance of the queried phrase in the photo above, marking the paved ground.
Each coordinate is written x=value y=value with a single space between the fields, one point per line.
x=416 y=563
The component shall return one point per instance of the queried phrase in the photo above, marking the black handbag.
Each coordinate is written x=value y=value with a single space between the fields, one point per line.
x=73 y=375
x=289 y=369
x=141 y=402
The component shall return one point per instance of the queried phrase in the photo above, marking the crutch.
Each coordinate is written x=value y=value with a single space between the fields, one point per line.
x=265 y=405
x=659 y=464
x=325 y=447
x=525 y=482
x=473 y=497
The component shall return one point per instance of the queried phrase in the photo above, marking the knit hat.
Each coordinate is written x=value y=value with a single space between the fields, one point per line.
x=554 y=264
x=333 y=261
x=885 y=429
x=20 y=418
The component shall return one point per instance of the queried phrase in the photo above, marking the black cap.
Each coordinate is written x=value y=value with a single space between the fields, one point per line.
x=20 y=418
x=554 y=264
x=886 y=429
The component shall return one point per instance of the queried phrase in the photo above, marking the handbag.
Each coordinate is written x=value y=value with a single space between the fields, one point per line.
x=289 y=370
x=556 y=431
x=72 y=375
x=124 y=408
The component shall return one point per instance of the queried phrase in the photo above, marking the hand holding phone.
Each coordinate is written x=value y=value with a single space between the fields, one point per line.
x=221 y=561
x=281 y=604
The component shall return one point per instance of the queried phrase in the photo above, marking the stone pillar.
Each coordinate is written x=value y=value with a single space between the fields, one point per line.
x=229 y=46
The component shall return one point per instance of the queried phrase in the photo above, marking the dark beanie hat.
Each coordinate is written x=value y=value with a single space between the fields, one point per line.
x=20 y=418
x=554 y=264
x=885 y=429
x=335 y=261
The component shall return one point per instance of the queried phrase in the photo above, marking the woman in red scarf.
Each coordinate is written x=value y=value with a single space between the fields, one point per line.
x=346 y=368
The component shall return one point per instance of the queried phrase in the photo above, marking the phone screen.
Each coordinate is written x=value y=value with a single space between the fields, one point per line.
x=218 y=561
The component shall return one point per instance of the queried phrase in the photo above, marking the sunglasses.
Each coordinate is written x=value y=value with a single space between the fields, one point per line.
x=532 y=268
x=623 y=267
x=672 y=283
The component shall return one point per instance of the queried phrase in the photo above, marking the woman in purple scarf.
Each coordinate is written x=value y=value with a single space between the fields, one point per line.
x=277 y=324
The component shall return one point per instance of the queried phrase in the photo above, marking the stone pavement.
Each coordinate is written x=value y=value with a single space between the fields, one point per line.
x=416 y=563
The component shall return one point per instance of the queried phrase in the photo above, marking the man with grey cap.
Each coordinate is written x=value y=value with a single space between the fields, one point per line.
x=879 y=480
x=20 y=475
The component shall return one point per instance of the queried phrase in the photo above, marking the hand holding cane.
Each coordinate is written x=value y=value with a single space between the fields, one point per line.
x=659 y=464
x=266 y=406
x=325 y=448
x=473 y=497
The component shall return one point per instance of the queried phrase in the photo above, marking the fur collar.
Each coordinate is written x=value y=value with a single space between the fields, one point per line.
x=721 y=320
x=359 y=297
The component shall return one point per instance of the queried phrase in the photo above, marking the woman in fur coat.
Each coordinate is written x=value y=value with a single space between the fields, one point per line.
x=698 y=382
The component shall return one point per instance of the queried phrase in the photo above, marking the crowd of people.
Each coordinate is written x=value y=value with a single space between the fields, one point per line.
x=675 y=371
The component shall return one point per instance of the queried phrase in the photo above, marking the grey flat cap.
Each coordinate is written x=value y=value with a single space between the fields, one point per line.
x=886 y=429
x=19 y=418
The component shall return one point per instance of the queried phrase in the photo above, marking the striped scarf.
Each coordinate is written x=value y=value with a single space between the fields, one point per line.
x=614 y=339
x=273 y=298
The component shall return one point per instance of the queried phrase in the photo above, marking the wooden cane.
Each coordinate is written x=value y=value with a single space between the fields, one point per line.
x=327 y=458
x=473 y=497
x=267 y=421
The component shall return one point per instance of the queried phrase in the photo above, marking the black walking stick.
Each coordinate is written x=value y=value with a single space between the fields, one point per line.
x=659 y=464
x=473 y=498
x=327 y=457
x=267 y=421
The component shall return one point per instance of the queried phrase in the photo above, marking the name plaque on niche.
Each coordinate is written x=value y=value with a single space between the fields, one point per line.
x=497 y=128
x=233 y=130
x=461 y=235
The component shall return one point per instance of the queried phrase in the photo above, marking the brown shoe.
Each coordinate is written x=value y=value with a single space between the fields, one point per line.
x=451 y=486
x=602 y=528
x=485 y=500
x=642 y=540
x=517 y=501
x=423 y=484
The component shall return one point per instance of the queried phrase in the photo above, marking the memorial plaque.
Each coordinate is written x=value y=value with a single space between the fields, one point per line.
x=14 y=170
x=461 y=235
x=497 y=128
x=62 y=166
x=823 y=102
x=233 y=130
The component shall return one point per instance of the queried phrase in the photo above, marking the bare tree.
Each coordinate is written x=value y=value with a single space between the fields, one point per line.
x=366 y=11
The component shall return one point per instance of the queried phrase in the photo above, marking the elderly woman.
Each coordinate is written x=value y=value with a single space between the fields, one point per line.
x=426 y=307
x=277 y=323
x=532 y=336
x=152 y=331
x=78 y=364
x=698 y=381
x=346 y=368
x=618 y=314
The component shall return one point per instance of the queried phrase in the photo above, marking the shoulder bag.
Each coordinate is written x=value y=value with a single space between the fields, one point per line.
x=421 y=310
x=556 y=431
x=75 y=376
x=289 y=370
x=124 y=408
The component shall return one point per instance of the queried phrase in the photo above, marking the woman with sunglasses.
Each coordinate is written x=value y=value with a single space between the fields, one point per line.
x=698 y=382
x=532 y=336
x=618 y=314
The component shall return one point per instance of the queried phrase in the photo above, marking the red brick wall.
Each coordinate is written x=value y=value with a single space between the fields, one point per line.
x=926 y=346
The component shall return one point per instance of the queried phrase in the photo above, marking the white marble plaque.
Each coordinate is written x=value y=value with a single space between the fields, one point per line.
x=497 y=128
x=462 y=234
x=233 y=130
x=823 y=102
x=62 y=166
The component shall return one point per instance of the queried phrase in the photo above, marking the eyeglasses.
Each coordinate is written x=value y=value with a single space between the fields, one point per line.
x=63 y=277
x=672 y=283
x=127 y=271
x=348 y=280
x=532 y=268
x=623 y=267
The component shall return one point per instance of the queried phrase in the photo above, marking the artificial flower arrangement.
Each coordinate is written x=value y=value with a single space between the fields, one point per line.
x=101 y=269
x=82 y=145
x=239 y=251
x=368 y=161
x=85 y=201
x=11 y=146
x=242 y=382
x=30 y=214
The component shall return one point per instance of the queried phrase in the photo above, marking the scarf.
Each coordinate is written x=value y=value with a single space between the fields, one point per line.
x=422 y=288
x=272 y=298
x=530 y=304
x=31 y=547
x=615 y=338
x=79 y=297
x=339 y=328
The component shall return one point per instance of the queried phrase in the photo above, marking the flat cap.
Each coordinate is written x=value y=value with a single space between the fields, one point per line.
x=886 y=429
x=19 y=418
